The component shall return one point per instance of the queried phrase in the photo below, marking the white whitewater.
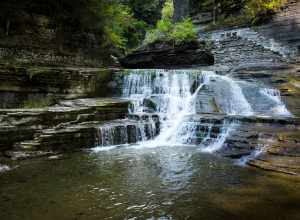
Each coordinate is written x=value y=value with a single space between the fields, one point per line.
x=220 y=140
x=170 y=90
x=124 y=132
x=229 y=95
x=279 y=108
x=179 y=100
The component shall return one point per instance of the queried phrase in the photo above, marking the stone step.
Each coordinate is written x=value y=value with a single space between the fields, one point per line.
x=17 y=125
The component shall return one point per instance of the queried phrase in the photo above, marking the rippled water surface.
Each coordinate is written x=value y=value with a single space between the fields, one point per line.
x=148 y=183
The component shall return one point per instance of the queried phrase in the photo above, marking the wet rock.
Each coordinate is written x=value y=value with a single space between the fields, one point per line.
x=282 y=164
x=22 y=155
x=19 y=127
x=4 y=168
x=56 y=157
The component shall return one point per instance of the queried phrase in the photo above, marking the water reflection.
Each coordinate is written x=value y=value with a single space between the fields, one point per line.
x=150 y=183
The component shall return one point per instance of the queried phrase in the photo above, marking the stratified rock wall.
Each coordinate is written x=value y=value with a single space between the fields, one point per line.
x=168 y=55
x=181 y=9
x=73 y=118
x=285 y=27
x=42 y=44
x=272 y=43
x=18 y=84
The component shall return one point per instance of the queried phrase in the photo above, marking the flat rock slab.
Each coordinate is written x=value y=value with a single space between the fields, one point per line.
x=282 y=154
x=282 y=164
x=22 y=124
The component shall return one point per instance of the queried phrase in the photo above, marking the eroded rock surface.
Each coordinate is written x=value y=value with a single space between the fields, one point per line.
x=21 y=84
x=168 y=55
x=69 y=118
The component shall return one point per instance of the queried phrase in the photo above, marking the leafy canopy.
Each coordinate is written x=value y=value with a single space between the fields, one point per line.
x=166 y=30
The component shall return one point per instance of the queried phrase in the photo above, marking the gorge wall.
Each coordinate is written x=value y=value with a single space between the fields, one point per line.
x=60 y=33
x=269 y=44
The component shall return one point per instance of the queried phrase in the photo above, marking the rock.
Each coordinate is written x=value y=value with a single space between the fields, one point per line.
x=56 y=157
x=19 y=85
x=167 y=55
x=23 y=155
x=18 y=127
x=202 y=18
x=287 y=165
x=4 y=168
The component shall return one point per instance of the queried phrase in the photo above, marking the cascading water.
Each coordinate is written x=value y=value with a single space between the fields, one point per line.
x=174 y=95
x=126 y=131
x=279 y=107
x=189 y=107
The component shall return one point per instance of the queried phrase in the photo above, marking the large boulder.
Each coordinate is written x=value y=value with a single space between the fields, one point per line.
x=168 y=55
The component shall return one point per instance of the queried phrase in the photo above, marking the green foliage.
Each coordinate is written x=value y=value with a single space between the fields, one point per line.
x=112 y=22
x=257 y=10
x=148 y=11
x=164 y=25
x=183 y=31
x=240 y=12
x=166 y=30
x=121 y=29
x=152 y=36
x=168 y=10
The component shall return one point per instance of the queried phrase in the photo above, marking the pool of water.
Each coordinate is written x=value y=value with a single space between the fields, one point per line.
x=145 y=183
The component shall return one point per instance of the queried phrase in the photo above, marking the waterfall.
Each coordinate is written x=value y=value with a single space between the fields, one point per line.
x=122 y=132
x=186 y=107
x=174 y=95
x=274 y=95
x=218 y=142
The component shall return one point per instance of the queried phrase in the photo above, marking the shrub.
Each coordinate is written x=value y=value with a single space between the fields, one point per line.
x=122 y=29
x=258 y=10
x=166 y=30
x=168 y=10
x=164 y=26
x=251 y=12
x=183 y=31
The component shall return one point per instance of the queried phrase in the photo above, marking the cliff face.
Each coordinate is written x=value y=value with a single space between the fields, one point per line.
x=284 y=28
x=275 y=42
x=181 y=9
x=166 y=55
x=35 y=34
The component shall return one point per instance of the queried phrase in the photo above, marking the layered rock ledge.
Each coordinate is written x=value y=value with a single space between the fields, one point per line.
x=168 y=55
x=19 y=84
x=73 y=119
x=264 y=142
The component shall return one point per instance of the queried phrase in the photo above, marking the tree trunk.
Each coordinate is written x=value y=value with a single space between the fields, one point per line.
x=181 y=9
